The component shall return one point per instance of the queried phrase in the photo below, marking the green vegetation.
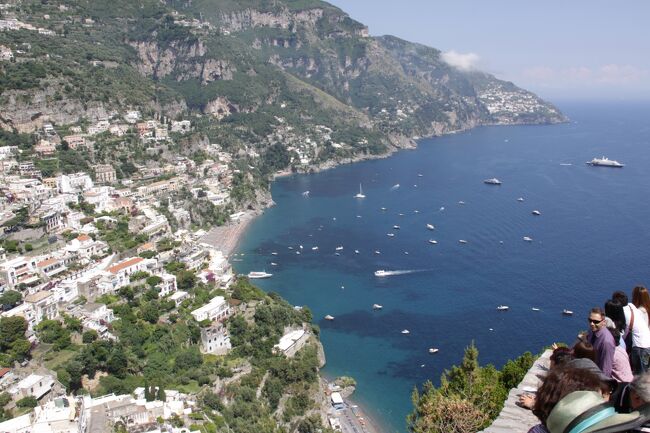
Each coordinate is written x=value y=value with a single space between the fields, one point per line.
x=469 y=397
x=13 y=343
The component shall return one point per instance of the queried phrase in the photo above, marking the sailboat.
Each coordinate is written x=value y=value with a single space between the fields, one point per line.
x=360 y=194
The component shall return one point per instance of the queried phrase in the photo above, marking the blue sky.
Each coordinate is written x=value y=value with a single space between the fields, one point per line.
x=587 y=49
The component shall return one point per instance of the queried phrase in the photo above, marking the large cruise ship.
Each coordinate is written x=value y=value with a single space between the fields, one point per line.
x=605 y=162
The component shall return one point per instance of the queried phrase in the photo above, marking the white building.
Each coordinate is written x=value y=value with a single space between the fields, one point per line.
x=74 y=183
x=291 y=342
x=20 y=270
x=178 y=297
x=168 y=284
x=84 y=247
x=117 y=276
x=215 y=340
x=216 y=310
x=33 y=385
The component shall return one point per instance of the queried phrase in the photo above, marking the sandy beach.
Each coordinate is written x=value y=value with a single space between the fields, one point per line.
x=226 y=237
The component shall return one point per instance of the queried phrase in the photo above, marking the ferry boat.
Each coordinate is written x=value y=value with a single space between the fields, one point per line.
x=256 y=275
x=503 y=308
x=381 y=273
x=492 y=181
x=605 y=162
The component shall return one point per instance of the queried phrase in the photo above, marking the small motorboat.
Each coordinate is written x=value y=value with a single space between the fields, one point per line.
x=492 y=181
x=377 y=252
x=462 y=241
x=461 y=202
x=520 y=199
x=383 y=209
x=433 y=350
x=339 y=248
x=356 y=251
x=328 y=317
x=528 y=239
x=431 y=227
x=433 y=241
x=377 y=307
x=273 y=264
x=298 y=252
x=535 y=309
x=274 y=253
x=536 y=212
x=567 y=312
x=405 y=331
x=396 y=227
x=314 y=248
x=503 y=308
x=390 y=235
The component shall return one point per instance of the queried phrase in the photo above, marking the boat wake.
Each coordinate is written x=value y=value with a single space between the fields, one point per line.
x=382 y=273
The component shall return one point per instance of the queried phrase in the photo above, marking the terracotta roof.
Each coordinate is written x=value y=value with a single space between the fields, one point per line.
x=147 y=246
x=125 y=264
x=4 y=371
x=82 y=238
x=46 y=262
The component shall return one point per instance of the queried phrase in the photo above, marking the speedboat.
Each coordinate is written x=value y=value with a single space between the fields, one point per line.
x=405 y=331
x=431 y=227
x=567 y=312
x=433 y=350
x=273 y=264
x=520 y=199
x=396 y=227
x=528 y=239
x=380 y=273
x=328 y=317
x=383 y=209
x=390 y=235
x=377 y=252
x=462 y=241
x=536 y=212
x=360 y=193
x=461 y=202
x=356 y=251
x=339 y=248
x=298 y=252
x=605 y=162
x=377 y=307
x=305 y=194
x=433 y=241
x=314 y=248
x=492 y=181
x=535 y=309
x=256 y=275
x=503 y=308
x=274 y=253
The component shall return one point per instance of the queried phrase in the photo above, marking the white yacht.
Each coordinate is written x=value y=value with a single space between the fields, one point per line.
x=390 y=235
x=328 y=317
x=339 y=248
x=503 y=308
x=535 y=309
x=274 y=253
x=396 y=227
x=433 y=350
x=433 y=241
x=520 y=199
x=314 y=248
x=360 y=194
x=273 y=264
x=381 y=273
x=405 y=331
x=567 y=312
x=528 y=239
x=256 y=275
x=462 y=241
x=492 y=181
x=605 y=162
x=461 y=202
x=356 y=251
x=431 y=227
x=377 y=307
x=305 y=194
x=536 y=212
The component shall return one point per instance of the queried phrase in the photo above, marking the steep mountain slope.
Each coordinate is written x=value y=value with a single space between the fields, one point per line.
x=254 y=73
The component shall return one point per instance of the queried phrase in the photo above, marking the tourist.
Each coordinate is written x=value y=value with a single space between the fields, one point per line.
x=559 y=358
x=641 y=300
x=601 y=340
x=637 y=335
x=584 y=411
x=615 y=318
x=621 y=370
x=560 y=382
x=632 y=395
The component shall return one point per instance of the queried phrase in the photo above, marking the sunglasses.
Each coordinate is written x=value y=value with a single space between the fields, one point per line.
x=595 y=322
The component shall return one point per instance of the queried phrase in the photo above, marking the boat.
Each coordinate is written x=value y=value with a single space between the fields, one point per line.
x=528 y=239
x=298 y=252
x=339 y=248
x=396 y=227
x=390 y=235
x=356 y=251
x=567 y=312
x=360 y=194
x=433 y=241
x=300 y=246
x=273 y=264
x=394 y=187
x=461 y=202
x=605 y=162
x=431 y=227
x=314 y=248
x=274 y=253
x=381 y=273
x=420 y=175
x=433 y=350
x=535 y=309
x=536 y=212
x=416 y=211
x=503 y=308
x=305 y=194
x=290 y=248
x=377 y=307
x=400 y=214
x=383 y=209
x=337 y=254
x=462 y=241
x=256 y=275
x=520 y=199
x=377 y=252
x=405 y=331
x=328 y=317
x=492 y=181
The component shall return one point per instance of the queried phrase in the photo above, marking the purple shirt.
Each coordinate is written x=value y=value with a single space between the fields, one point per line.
x=603 y=343
x=539 y=428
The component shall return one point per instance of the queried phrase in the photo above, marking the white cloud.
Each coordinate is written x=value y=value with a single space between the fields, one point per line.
x=461 y=61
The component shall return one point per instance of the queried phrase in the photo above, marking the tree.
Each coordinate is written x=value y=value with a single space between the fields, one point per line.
x=438 y=413
x=117 y=363
x=27 y=402
x=161 y=394
x=75 y=369
x=11 y=329
x=10 y=298
x=150 y=312
x=89 y=336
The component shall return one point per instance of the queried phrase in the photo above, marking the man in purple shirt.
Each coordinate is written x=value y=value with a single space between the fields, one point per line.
x=602 y=340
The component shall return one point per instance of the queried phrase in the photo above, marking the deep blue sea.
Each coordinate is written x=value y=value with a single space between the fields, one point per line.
x=590 y=239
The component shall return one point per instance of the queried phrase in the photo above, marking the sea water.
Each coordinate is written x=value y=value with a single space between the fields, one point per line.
x=591 y=238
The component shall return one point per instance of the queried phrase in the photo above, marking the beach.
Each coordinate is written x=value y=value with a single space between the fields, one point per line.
x=226 y=237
